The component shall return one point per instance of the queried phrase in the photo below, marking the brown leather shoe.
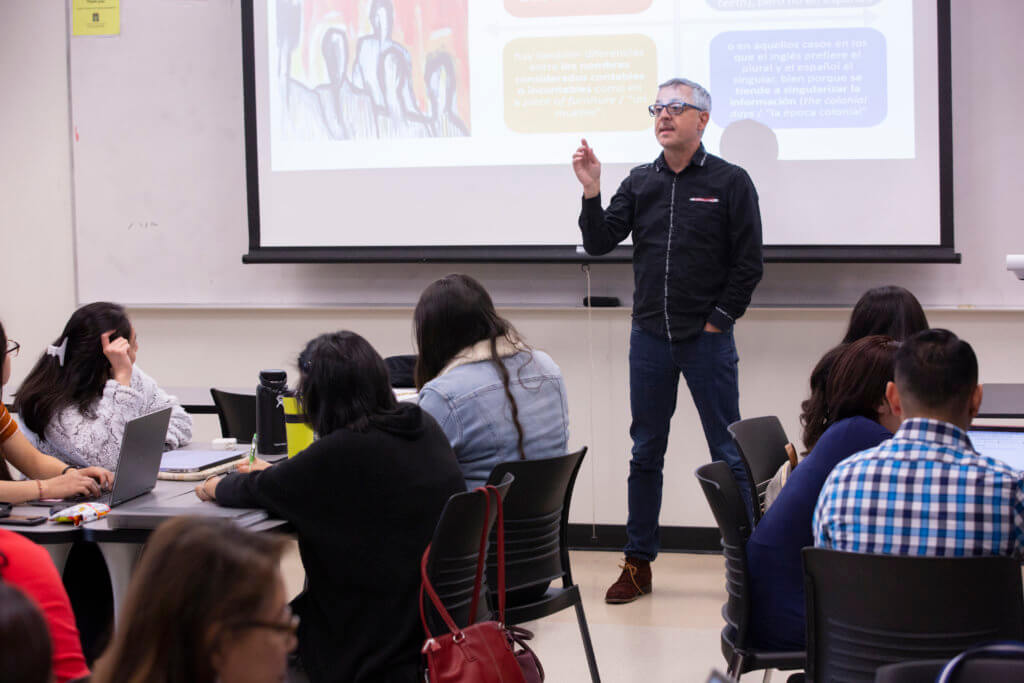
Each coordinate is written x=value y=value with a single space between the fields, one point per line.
x=634 y=581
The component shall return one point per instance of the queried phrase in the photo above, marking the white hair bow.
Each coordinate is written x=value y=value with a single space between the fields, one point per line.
x=58 y=351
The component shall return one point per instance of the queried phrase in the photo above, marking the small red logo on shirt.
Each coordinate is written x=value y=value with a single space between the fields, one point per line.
x=712 y=200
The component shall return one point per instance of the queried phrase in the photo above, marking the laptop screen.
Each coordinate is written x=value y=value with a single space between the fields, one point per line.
x=1001 y=443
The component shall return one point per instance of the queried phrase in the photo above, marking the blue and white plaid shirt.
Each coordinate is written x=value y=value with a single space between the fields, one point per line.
x=926 y=491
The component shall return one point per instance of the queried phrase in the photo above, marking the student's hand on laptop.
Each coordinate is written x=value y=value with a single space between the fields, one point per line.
x=105 y=478
x=71 y=483
x=256 y=466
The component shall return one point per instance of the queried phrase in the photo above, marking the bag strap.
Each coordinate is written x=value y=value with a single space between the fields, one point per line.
x=434 y=598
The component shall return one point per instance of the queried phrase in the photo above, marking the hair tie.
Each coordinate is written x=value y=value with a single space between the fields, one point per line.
x=58 y=351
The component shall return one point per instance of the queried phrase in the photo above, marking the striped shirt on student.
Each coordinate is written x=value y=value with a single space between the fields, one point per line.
x=7 y=424
x=926 y=491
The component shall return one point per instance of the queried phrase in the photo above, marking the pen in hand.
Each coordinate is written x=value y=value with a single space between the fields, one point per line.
x=252 y=451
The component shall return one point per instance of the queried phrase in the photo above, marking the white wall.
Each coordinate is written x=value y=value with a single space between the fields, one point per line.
x=777 y=346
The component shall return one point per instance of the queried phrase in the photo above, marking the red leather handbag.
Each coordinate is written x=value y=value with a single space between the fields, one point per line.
x=481 y=652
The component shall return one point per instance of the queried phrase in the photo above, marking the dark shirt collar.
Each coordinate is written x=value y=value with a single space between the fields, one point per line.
x=699 y=158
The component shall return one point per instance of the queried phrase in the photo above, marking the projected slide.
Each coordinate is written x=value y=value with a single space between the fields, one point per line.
x=411 y=124
x=521 y=80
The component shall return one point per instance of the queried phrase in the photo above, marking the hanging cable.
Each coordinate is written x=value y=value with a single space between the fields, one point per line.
x=590 y=351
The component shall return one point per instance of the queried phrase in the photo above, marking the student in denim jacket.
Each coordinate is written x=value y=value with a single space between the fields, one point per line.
x=496 y=398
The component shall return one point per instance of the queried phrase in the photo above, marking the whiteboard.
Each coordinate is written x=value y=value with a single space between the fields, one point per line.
x=160 y=207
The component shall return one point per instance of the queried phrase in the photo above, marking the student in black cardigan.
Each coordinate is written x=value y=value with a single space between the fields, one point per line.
x=364 y=500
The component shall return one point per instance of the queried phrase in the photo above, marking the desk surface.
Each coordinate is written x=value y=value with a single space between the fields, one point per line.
x=1002 y=401
x=166 y=493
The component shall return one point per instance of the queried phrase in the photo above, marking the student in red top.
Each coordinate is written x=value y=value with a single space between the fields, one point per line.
x=49 y=477
x=27 y=566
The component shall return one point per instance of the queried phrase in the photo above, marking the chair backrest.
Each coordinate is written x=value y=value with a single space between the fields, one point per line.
x=237 y=413
x=761 y=442
x=536 y=520
x=451 y=565
x=865 y=611
x=726 y=502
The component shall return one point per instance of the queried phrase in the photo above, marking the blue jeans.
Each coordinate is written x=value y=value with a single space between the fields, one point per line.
x=709 y=365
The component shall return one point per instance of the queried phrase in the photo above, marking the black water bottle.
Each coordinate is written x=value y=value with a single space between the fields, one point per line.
x=272 y=439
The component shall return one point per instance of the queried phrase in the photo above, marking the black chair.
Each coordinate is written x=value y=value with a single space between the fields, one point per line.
x=451 y=565
x=536 y=543
x=866 y=611
x=761 y=442
x=726 y=501
x=980 y=668
x=237 y=414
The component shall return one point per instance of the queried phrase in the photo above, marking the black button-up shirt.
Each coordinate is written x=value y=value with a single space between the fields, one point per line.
x=696 y=242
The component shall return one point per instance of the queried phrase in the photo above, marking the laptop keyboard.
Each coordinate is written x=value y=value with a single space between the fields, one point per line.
x=82 y=498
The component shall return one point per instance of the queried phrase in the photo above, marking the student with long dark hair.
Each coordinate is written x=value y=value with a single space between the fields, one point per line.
x=888 y=310
x=86 y=387
x=28 y=567
x=363 y=499
x=891 y=311
x=206 y=604
x=860 y=418
x=496 y=398
x=48 y=477
x=24 y=642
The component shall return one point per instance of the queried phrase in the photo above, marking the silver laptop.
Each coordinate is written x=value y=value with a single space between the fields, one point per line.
x=137 y=464
x=1002 y=443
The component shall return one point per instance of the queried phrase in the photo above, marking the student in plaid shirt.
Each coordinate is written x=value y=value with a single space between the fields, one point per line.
x=926 y=491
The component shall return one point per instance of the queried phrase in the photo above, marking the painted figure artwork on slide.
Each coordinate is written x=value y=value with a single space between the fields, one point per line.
x=346 y=70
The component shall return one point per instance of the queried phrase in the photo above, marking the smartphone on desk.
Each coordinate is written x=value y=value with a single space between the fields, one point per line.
x=23 y=520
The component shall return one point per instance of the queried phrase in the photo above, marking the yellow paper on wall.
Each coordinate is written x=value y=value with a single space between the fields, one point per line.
x=95 y=17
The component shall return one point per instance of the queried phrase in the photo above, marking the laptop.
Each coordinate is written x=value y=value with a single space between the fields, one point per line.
x=1002 y=443
x=137 y=464
x=187 y=461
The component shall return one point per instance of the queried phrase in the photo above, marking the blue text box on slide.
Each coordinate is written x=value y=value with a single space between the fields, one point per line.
x=804 y=78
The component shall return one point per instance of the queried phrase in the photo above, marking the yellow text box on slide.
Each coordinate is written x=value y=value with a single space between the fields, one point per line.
x=566 y=84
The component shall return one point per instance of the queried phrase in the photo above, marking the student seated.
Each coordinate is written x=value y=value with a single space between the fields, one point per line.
x=206 y=604
x=49 y=477
x=364 y=500
x=860 y=417
x=936 y=389
x=28 y=567
x=890 y=311
x=496 y=398
x=24 y=643
x=86 y=387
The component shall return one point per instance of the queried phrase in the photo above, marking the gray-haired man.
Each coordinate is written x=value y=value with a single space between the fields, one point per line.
x=696 y=259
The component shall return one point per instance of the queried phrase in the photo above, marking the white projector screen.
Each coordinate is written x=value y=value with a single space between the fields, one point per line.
x=443 y=129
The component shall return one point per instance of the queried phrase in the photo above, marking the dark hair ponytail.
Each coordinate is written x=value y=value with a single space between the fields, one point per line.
x=454 y=313
x=53 y=385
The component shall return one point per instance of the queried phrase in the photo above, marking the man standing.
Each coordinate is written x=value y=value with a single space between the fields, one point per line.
x=926 y=491
x=696 y=260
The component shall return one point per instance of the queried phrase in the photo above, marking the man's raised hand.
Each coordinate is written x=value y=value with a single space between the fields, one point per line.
x=587 y=169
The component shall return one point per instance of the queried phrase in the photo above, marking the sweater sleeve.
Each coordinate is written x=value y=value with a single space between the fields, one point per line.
x=179 y=431
x=284 y=489
x=95 y=438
